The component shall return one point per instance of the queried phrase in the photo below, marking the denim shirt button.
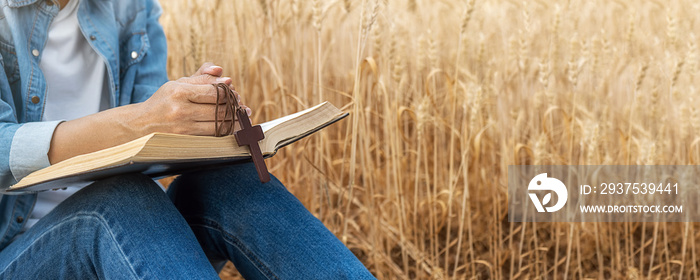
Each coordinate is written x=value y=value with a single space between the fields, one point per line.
x=20 y=219
x=134 y=55
x=35 y=52
x=35 y=99
x=92 y=38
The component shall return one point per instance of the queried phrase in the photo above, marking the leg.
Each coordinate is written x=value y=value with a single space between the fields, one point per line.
x=262 y=228
x=124 y=227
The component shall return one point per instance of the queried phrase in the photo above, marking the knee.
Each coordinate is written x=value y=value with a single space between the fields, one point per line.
x=114 y=204
x=236 y=180
x=236 y=186
x=243 y=175
x=129 y=193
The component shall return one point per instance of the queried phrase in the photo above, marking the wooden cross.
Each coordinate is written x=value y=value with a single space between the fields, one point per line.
x=249 y=136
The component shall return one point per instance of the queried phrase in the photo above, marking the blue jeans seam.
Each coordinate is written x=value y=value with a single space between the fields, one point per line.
x=233 y=241
x=99 y=218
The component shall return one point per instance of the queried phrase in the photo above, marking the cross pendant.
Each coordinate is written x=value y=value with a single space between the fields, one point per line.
x=249 y=136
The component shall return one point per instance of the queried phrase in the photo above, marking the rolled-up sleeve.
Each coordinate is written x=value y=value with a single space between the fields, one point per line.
x=24 y=147
x=30 y=147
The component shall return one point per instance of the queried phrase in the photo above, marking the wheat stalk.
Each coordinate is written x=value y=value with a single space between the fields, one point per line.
x=444 y=98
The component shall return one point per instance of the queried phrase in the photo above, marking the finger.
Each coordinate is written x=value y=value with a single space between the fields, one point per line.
x=215 y=71
x=247 y=110
x=205 y=94
x=209 y=67
x=205 y=113
x=243 y=106
x=209 y=128
x=205 y=80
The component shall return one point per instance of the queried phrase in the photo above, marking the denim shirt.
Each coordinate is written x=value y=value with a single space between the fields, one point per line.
x=125 y=33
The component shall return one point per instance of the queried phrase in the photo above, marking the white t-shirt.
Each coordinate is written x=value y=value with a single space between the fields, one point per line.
x=77 y=86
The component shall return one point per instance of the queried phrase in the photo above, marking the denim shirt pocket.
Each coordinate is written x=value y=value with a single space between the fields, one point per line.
x=8 y=59
x=133 y=49
x=8 y=54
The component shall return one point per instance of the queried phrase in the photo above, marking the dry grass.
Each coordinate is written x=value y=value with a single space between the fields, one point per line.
x=443 y=96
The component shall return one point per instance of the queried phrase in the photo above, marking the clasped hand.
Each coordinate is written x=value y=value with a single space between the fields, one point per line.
x=187 y=105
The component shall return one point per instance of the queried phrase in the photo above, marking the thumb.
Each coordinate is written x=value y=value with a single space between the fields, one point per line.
x=209 y=68
x=205 y=80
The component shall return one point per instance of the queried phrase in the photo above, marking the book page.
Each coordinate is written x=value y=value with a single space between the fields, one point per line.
x=268 y=125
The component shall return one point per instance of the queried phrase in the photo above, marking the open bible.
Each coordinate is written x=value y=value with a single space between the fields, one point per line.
x=162 y=154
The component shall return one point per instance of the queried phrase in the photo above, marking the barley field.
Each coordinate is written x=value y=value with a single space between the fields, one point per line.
x=443 y=95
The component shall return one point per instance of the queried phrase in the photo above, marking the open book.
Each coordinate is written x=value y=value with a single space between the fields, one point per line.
x=161 y=154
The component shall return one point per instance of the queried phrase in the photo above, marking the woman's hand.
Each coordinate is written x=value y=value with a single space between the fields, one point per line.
x=203 y=75
x=184 y=106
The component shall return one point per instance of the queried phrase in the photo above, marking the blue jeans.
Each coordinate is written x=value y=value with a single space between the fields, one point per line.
x=126 y=227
